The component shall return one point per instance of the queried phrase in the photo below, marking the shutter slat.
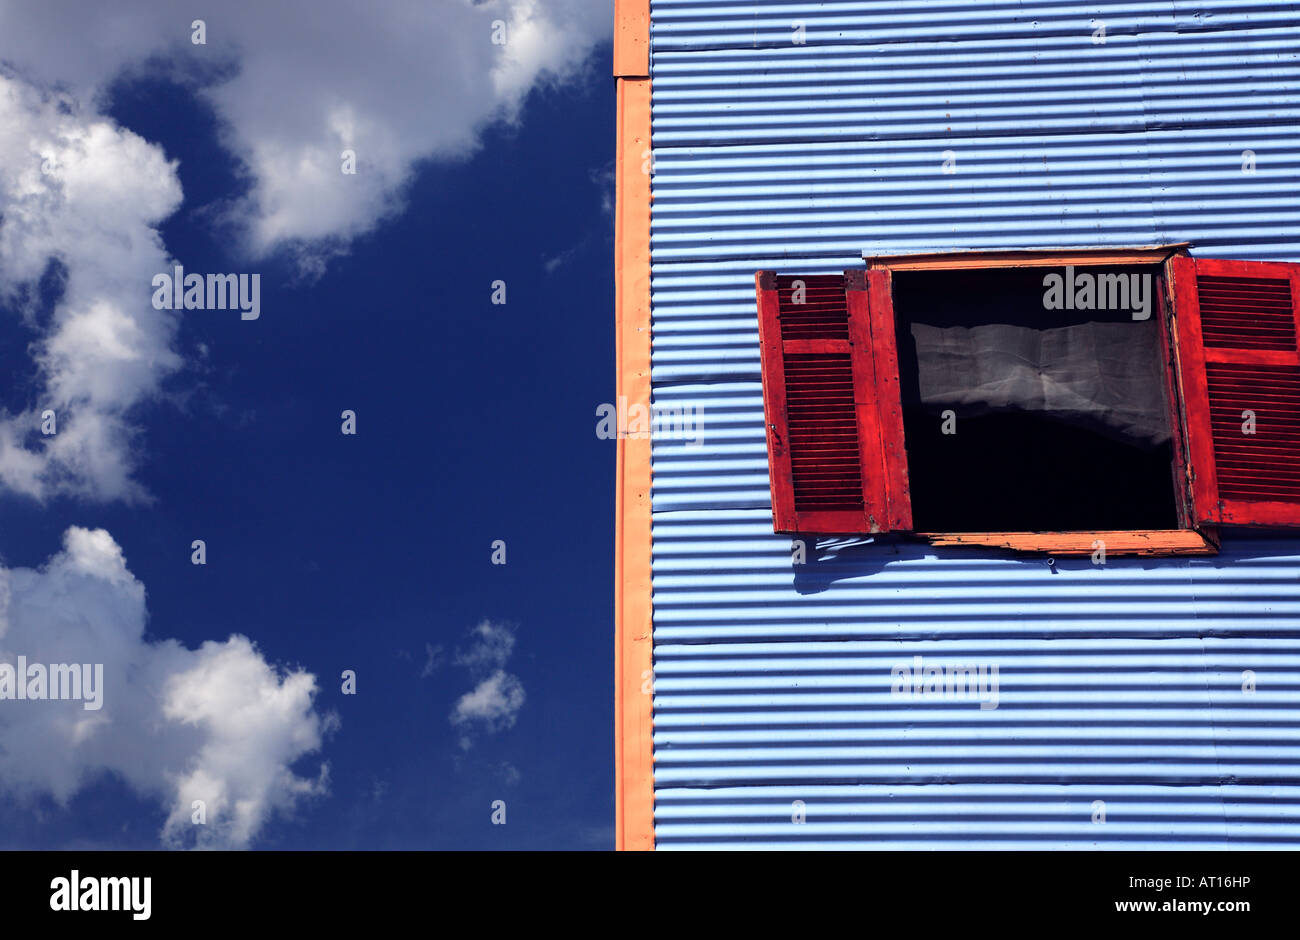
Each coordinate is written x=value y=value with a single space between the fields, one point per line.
x=819 y=395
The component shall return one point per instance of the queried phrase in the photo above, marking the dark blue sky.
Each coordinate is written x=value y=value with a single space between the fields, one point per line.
x=475 y=422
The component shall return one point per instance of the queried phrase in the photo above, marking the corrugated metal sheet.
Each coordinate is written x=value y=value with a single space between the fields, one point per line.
x=736 y=24
x=1121 y=684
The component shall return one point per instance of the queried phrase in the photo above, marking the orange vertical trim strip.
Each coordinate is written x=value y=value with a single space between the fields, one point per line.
x=634 y=745
x=631 y=38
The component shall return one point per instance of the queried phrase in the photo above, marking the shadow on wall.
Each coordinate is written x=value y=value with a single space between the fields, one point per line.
x=825 y=560
x=818 y=562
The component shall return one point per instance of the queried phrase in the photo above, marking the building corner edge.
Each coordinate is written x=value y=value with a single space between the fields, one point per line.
x=634 y=745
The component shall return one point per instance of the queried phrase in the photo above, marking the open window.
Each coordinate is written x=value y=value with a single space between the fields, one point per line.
x=1044 y=401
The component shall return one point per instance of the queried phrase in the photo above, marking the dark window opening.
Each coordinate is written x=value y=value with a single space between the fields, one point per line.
x=1023 y=414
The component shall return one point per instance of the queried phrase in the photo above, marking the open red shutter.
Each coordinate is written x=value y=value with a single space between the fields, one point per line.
x=1237 y=324
x=827 y=381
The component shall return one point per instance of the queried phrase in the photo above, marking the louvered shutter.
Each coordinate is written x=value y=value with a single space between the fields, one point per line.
x=1237 y=324
x=830 y=389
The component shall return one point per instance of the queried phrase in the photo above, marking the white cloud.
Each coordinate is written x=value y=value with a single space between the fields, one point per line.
x=217 y=724
x=77 y=189
x=490 y=646
x=494 y=702
x=397 y=82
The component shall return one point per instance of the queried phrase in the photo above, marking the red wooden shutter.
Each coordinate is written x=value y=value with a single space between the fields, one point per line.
x=1237 y=324
x=830 y=386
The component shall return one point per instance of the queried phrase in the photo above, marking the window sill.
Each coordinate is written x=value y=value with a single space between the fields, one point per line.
x=1128 y=542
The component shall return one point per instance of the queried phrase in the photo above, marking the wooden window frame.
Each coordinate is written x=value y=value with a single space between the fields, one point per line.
x=1188 y=538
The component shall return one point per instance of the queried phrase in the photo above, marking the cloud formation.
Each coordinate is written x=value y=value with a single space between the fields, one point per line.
x=397 y=83
x=218 y=724
x=494 y=702
x=82 y=200
x=85 y=196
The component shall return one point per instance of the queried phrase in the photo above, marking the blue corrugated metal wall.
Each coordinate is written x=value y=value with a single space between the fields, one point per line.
x=1121 y=688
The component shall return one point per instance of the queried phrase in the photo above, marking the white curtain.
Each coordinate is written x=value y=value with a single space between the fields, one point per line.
x=1105 y=376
